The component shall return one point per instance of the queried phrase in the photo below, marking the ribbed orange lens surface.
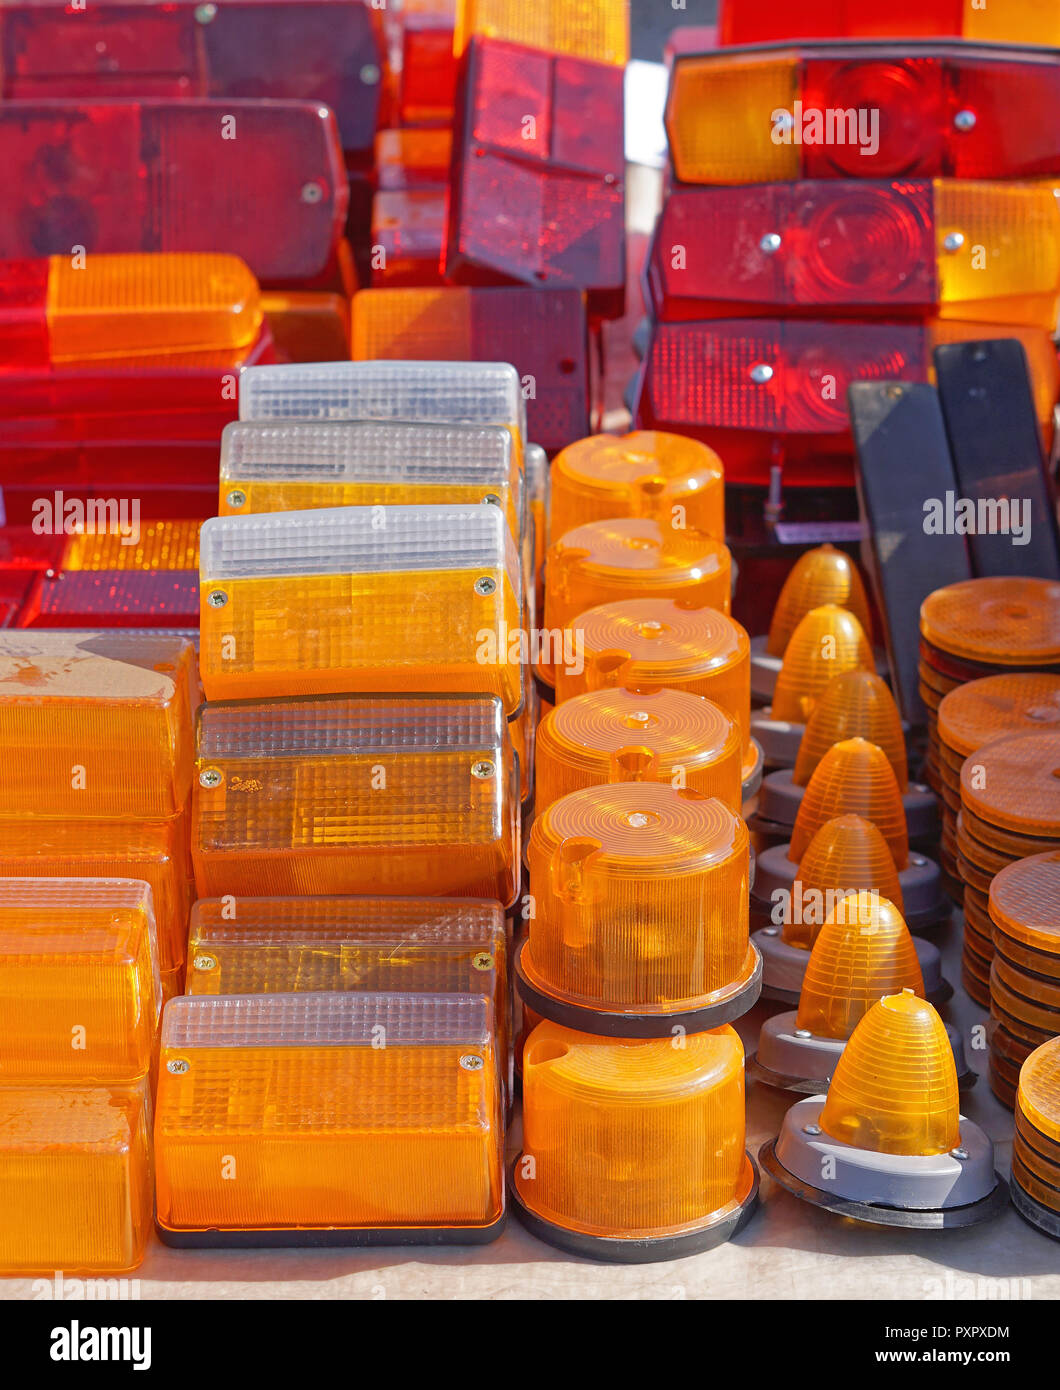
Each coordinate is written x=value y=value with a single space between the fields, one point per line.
x=280 y=1111
x=827 y=642
x=75 y=1170
x=671 y=479
x=581 y=28
x=95 y=724
x=641 y=899
x=1039 y=1089
x=664 y=1126
x=854 y=704
x=666 y=736
x=1005 y=621
x=1025 y=902
x=356 y=795
x=153 y=851
x=822 y=576
x=79 y=986
x=895 y=1086
x=644 y=643
x=1014 y=782
x=160 y=545
x=605 y=561
x=714 y=120
x=981 y=710
x=853 y=778
x=159 y=303
x=862 y=952
x=846 y=855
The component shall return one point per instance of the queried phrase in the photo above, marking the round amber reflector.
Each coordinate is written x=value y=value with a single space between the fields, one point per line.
x=1002 y=621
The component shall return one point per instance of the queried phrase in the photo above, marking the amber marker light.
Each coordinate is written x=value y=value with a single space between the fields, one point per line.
x=329 y=1119
x=887 y=1144
x=641 y=913
x=821 y=576
x=666 y=1128
x=827 y=642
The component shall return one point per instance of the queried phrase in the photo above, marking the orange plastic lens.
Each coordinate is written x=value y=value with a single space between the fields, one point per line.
x=853 y=778
x=714 y=120
x=641 y=900
x=79 y=987
x=978 y=711
x=155 y=852
x=426 y=153
x=862 y=952
x=307 y=325
x=1004 y=621
x=160 y=545
x=894 y=1089
x=356 y=795
x=280 y=1111
x=1024 y=901
x=664 y=736
x=827 y=642
x=635 y=1105
x=95 y=724
x=645 y=643
x=418 y=598
x=846 y=855
x=1039 y=1089
x=580 y=28
x=406 y=945
x=1020 y=21
x=821 y=576
x=75 y=1170
x=606 y=561
x=855 y=704
x=158 y=303
x=666 y=477
x=1014 y=782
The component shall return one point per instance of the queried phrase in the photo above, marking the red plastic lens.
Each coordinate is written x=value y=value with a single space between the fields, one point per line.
x=428 y=70
x=261 y=180
x=749 y=21
x=325 y=51
x=114 y=598
x=537 y=189
x=408 y=232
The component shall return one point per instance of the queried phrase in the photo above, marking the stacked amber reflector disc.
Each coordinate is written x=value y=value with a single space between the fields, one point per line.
x=1036 y=1143
x=1025 y=974
x=982 y=627
x=973 y=715
x=1010 y=809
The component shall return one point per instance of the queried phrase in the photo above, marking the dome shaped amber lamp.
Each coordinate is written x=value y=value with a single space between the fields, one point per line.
x=641 y=922
x=862 y=952
x=821 y=576
x=887 y=1144
x=632 y=1104
x=827 y=642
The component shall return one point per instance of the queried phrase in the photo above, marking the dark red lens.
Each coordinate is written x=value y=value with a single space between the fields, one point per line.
x=113 y=598
x=428 y=71
x=751 y=21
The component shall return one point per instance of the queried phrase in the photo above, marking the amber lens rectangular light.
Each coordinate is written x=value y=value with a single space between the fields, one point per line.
x=79 y=982
x=360 y=599
x=356 y=794
x=301 y=1118
x=95 y=724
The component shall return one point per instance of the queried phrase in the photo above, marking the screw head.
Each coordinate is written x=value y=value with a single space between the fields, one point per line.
x=953 y=242
x=918 y=861
x=761 y=372
x=482 y=960
x=769 y=931
x=178 y=1066
x=210 y=777
x=204 y=963
x=312 y=192
x=803 y=1033
x=491 y=499
x=770 y=243
x=470 y=1062
x=217 y=599
x=959 y=1153
x=485 y=586
x=236 y=498
x=483 y=769
x=205 y=14
x=965 y=120
x=811 y=1130
x=370 y=74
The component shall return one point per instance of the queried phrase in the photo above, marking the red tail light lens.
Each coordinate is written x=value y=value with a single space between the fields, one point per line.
x=1026 y=21
x=871 y=110
x=428 y=70
x=261 y=180
x=408 y=232
x=537 y=188
x=908 y=246
x=325 y=51
x=113 y=598
x=543 y=333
